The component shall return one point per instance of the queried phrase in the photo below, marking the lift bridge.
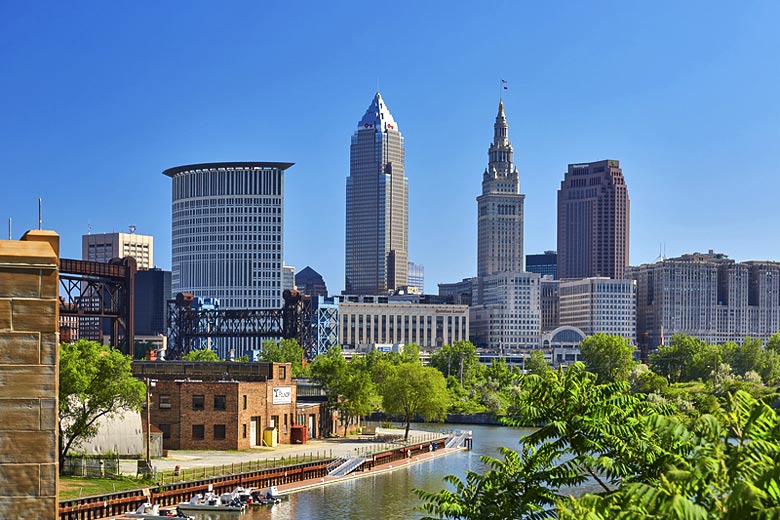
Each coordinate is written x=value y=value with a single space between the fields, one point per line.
x=189 y=327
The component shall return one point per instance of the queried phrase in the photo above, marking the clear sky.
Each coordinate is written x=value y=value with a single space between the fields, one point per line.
x=97 y=98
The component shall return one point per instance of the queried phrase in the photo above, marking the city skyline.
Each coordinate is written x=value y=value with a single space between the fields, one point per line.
x=100 y=100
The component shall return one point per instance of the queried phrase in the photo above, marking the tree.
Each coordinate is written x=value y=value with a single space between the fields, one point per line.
x=686 y=359
x=460 y=360
x=205 y=354
x=95 y=381
x=285 y=351
x=415 y=390
x=536 y=363
x=745 y=357
x=609 y=357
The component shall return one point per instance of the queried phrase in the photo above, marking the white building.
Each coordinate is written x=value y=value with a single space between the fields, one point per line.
x=367 y=322
x=509 y=317
x=227 y=222
x=596 y=305
x=102 y=247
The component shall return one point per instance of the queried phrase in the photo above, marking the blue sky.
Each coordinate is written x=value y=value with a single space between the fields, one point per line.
x=97 y=98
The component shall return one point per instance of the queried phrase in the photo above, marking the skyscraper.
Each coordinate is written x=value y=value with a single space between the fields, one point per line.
x=227 y=232
x=377 y=205
x=593 y=221
x=500 y=207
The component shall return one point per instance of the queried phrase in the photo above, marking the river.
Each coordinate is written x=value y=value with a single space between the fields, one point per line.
x=389 y=495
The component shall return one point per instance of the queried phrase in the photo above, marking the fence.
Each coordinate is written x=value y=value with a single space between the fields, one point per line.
x=89 y=467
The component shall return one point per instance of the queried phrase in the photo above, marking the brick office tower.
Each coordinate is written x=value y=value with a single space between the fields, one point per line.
x=593 y=221
x=377 y=239
x=28 y=376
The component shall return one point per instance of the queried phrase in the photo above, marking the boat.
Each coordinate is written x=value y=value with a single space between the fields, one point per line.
x=270 y=495
x=148 y=511
x=227 y=502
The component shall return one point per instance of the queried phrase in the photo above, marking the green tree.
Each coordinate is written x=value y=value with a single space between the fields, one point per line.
x=415 y=390
x=205 y=354
x=745 y=357
x=285 y=351
x=685 y=359
x=95 y=381
x=773 y=343
x=460 y=360
x=536 y=363
x=609 y=357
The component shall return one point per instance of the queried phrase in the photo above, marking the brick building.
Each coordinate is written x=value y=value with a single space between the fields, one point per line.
x=221 y=405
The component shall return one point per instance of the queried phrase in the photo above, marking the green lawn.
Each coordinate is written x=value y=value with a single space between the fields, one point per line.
x=76 y=487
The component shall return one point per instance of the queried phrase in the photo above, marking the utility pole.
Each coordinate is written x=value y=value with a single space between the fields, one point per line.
x=148 y=436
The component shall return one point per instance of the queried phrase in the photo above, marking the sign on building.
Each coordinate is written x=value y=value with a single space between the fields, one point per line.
x=282 y=395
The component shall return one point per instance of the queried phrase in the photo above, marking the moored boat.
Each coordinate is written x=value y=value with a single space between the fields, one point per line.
x=148 y=511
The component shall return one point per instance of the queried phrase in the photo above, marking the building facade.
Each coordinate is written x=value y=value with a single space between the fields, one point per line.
x=102 y=247
x=310 y=282
x=545 y=264
x=549 y=290
x=509 y=317
x=459 y=293
x=366 y=322
x=376 y=252
x=708 y=296
x=500 y=207
x=152 y=292
x=288 y=280
x=220 y=406
x=593 y=221
x=416 y=276
x=599 y=305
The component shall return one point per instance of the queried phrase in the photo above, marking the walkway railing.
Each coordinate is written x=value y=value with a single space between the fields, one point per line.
x=347 y=467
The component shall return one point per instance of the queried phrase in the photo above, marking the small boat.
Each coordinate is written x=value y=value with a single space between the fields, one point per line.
x=212 y=502
x=271 y=495
x=148 y=511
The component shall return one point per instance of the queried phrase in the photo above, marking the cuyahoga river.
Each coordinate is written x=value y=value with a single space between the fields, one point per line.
x=390 y=495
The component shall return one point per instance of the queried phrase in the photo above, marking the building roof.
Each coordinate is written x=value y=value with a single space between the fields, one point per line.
x=172 y=172
x=378 y=116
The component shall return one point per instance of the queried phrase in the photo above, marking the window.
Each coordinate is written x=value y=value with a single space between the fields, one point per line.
x=164 y=401
x=244 y=402
x=283 y=372
x=243 y=431
x=220 y=402
x=198 y=402
x=198 y=432
x=219 y=432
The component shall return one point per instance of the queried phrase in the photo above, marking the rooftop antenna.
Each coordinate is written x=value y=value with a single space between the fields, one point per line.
x=89 y=228
x=10 y=220
x=132 y=229
x=40 y=213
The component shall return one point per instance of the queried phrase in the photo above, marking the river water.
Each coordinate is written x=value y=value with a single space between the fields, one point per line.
x=389 y=495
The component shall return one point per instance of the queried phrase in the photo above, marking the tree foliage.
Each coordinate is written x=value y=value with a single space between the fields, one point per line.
x=460 y=360
x=205 y=354
x=95 y=381
x=285 y=351
x=609 y=357
x=535 y=363
x=413 y=390
x=648 y=462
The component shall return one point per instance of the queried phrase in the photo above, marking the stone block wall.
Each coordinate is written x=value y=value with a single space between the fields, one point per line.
x=29 y=375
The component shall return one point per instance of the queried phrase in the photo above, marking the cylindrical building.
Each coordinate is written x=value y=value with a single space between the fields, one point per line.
x=227 y=222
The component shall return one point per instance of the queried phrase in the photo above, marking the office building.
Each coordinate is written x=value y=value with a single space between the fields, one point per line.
x=227 y=222
x=152 y=292
x=102 y=247
x=549 y=302
x=288 y=279
x=459 y=293
x=311 y=282
x=500 y=207
x=416 y=276
x=599 y=305
x=545 y=264
x=369 y=321
x=593 y=221
x=377 y=205
x=509 y=318
x=708 y=296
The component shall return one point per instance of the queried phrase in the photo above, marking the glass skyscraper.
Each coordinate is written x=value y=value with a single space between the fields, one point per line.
x=377 y=205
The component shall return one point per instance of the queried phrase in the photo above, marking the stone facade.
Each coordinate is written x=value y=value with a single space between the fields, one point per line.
x=29 y=375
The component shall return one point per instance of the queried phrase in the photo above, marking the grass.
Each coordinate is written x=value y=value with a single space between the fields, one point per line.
x=77 y=487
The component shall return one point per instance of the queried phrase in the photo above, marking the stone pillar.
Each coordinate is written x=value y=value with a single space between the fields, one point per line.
x=29 y=312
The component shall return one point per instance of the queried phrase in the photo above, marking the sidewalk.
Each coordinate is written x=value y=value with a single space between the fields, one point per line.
x=318 y=448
